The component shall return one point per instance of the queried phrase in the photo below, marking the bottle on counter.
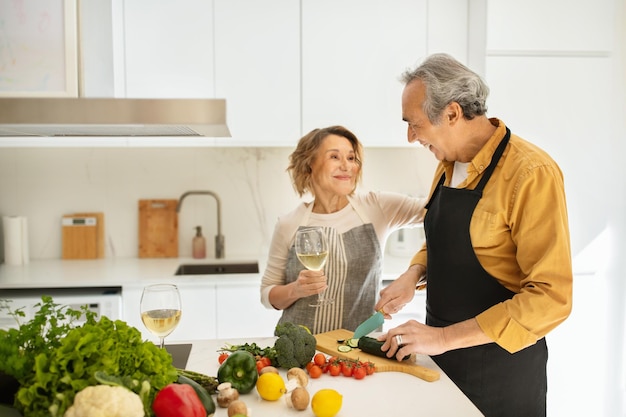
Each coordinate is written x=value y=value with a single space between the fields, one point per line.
x=199 y=244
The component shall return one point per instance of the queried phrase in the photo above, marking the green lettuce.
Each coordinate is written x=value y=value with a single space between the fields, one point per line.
x=58 y=373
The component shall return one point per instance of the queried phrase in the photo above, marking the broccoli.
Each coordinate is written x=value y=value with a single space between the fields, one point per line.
x=295 y=346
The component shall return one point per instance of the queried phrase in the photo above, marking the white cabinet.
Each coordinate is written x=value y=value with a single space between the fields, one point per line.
x=168 y=49
x=226 y=309
x=352 y=55
x=198 y=318
x=240 y=313
x=549 y=26
x=257 y=70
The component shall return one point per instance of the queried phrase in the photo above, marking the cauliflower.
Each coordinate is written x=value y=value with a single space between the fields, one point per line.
x=106 y=401
x=295 y=345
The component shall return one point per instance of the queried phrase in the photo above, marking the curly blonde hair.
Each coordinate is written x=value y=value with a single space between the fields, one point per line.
x=302 y=157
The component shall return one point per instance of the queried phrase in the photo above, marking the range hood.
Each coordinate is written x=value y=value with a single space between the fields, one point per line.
x=112 y=117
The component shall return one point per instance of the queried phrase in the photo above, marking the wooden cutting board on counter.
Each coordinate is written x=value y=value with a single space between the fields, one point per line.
x=158 y=229
x=327 y=343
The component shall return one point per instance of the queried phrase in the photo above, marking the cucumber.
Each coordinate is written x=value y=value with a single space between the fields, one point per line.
x=353 y=343
x=370 y=345
x=203 y=394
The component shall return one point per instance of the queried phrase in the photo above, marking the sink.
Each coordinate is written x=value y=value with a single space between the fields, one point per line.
x=218 y=268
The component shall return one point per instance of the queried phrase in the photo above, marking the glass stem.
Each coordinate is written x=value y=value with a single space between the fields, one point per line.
x=162 y=342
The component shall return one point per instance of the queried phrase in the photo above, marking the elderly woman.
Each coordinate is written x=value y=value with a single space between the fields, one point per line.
x=327 y=163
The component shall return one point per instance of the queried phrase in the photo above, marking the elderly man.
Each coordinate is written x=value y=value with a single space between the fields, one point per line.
x=497 y=262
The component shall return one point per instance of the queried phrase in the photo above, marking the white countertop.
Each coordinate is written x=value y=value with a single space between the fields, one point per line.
x=125 y=272
x=380 y=394
x=56 y=273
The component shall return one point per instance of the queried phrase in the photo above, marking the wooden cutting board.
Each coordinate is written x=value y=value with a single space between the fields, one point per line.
x=327 y=343
x=158 y=229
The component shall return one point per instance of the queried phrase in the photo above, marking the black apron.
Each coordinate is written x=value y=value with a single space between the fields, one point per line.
x=497 y=382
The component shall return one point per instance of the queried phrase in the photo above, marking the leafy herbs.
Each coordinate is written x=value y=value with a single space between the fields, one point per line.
x=54 y=360
x=256 y=350
x=42 y=334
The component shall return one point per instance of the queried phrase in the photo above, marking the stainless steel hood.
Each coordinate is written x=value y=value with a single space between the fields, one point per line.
x=112 y=117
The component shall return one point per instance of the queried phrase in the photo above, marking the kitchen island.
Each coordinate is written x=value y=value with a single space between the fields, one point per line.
x=213 y=312
x=381 y=394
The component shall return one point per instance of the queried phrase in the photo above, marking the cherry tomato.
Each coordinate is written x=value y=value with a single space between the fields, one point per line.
x=319 y=359
x=359 y=372
x=266 y=361
x=222 y=357
x=370 y=367
x=308 y=365
x=347 y=369
x=334 y=369
x=315 y=371
x=260 y=365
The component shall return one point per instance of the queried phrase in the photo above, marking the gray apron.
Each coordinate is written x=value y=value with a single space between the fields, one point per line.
x=353 y=270
x=500 y=384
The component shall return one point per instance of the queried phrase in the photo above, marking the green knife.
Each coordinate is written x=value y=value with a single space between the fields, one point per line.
x=373 y=323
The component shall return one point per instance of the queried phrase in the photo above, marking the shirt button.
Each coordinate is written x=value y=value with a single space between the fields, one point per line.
x=481 y=167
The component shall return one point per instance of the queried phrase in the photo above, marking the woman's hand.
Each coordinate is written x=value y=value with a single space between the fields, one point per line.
x=309 y=283
x=400 y=292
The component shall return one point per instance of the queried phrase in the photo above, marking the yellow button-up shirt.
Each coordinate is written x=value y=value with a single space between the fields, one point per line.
x=520 y=235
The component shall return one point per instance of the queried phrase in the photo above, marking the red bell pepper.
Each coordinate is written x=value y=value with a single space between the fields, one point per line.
x=176 y=400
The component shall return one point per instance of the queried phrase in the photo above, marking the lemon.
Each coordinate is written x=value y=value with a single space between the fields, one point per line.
x=326 y=403
x=270 y=386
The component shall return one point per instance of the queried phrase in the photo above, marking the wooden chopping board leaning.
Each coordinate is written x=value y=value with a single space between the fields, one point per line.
x=158 y=229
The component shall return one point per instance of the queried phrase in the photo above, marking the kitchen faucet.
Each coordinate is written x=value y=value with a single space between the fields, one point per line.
x=219 y=239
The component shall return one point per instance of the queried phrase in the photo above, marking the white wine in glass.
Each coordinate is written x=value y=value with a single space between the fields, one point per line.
x=312 y=251
x=161 y=309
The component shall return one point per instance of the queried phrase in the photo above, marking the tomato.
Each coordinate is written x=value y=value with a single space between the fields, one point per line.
x=308 y=365
x=319 y=359
x=347 y=369
x=262 y=363
x=370 y=367
x=315 y=371
x=334 y=369
x=359 y=372
x=222 y=357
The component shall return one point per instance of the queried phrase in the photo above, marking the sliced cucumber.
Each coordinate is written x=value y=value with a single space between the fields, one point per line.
x=344 y=348
x=353 y=343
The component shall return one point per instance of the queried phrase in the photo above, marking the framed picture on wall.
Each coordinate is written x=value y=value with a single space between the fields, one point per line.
x=38 y=48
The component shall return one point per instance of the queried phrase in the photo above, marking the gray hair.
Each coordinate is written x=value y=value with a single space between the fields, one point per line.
x=446 y=81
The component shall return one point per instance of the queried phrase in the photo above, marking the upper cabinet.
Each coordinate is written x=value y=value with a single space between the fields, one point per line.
x=565 y=26
x=353 y=53
x=284 y=66
x=257 y=70
x=168 y=49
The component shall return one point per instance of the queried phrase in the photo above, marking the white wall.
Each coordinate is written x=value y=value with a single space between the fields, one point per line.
x=43 y=184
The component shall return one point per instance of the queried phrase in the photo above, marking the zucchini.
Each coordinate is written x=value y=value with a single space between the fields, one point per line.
x=203 y=394
x=370 y=345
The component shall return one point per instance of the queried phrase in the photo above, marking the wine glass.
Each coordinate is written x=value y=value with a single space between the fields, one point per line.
x=160 y=309
x=312 y=251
